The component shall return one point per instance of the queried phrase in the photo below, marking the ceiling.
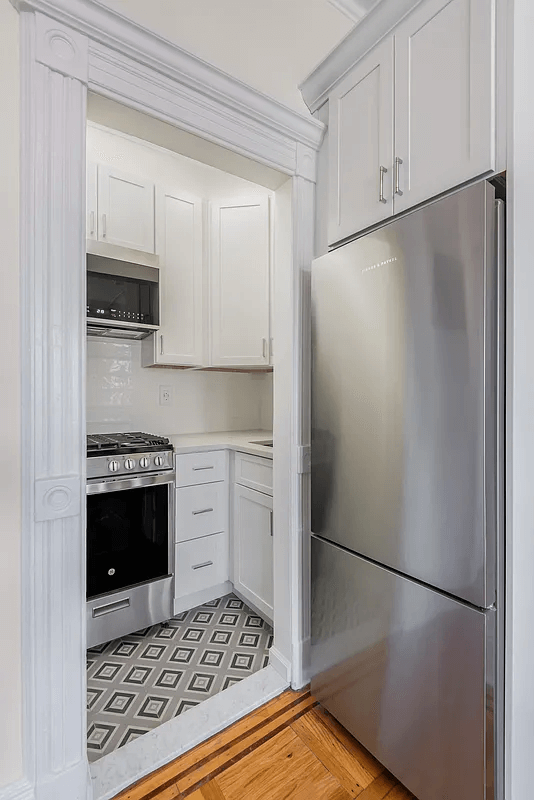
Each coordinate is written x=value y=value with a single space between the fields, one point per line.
x=271 y=45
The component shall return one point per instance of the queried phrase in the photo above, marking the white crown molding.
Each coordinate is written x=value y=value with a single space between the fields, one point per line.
x=353 y=9
x=380 y=20
x=108 y=28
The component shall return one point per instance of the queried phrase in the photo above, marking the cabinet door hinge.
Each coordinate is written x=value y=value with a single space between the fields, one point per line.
x=302 y=459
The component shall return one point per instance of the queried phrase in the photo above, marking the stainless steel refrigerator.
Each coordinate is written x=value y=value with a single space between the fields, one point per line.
x=407 y=493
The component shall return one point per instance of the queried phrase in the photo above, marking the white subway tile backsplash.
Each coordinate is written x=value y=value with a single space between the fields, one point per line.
x=122 y=395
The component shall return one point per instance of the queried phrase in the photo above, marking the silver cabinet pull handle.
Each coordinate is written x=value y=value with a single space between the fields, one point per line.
x=109 y=608
x=104 y=226
x=161 y=344
x=204 y=564
x=398 y=162
x=92 y=223
x=204 y=511
x=264 y=347
x=271 y=522
x=381 y=197
x=197 y=469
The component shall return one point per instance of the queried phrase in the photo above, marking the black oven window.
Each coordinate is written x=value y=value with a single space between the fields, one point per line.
x=127 y=538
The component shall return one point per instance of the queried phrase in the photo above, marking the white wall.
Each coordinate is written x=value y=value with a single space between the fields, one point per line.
x=122 y=395
x=10 y=519
x=520 y=545
x=271 y=46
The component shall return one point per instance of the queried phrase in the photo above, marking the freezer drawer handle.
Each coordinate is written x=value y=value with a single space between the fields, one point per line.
x=109 y=608
x=196 y=469
x=204 y=511
x=204 y=564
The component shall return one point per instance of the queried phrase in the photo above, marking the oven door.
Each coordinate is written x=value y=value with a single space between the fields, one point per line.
x=129 y=531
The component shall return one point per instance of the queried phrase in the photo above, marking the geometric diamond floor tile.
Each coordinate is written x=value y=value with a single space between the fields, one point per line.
x=150 y=676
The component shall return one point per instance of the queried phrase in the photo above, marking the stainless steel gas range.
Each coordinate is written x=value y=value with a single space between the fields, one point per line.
x=130 y=527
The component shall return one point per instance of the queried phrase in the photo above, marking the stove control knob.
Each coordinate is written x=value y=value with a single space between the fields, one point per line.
x=159 y=461
x=129 y=463
x=113 y=466
x=144 y=462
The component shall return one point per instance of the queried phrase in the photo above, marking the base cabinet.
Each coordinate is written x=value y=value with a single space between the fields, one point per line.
x=253 y=548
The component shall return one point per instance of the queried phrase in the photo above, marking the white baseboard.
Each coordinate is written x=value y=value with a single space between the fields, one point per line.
x=204 y=596
x=280 y=663
x=20 y=790
x=301 y=674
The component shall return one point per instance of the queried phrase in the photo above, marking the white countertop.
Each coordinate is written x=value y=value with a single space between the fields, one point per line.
x=222 y=440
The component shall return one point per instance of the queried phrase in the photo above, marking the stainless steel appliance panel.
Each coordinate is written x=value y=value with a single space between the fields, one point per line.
x=120 y=613
x=404 y=357
x=409 y=671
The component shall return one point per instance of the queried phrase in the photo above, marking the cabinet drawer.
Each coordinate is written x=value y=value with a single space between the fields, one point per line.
x=201 y=563
x=195 y=468
x=254 y=472
x=201 y=510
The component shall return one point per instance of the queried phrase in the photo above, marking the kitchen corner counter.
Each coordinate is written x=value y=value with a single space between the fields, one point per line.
x=240 y=441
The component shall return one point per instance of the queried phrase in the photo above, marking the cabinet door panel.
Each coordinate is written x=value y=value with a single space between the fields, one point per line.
x=92 y=201
x=253 y=548
x=179 y=237
x=444 y=100
x=125 y=210
x=240 y=276
x=361 y=142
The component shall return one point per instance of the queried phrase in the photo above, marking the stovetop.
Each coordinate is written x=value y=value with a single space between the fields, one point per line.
x=111 y=444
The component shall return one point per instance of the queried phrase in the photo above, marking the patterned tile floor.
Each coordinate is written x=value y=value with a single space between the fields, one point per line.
x=140 y=681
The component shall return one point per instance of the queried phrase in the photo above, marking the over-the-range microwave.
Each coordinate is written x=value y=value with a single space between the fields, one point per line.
x=122 y=298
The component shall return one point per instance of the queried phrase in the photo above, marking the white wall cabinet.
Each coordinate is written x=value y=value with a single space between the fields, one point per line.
x=240 y=282
x=361 y=136
x=421 y=104
x=253 y=548
x=125 y=210
x=180 y=339
x=444 y=97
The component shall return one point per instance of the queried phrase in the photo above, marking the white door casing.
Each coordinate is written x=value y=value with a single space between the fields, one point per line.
x=68 y=46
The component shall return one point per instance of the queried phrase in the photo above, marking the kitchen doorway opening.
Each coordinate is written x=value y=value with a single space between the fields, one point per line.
x=212 y=231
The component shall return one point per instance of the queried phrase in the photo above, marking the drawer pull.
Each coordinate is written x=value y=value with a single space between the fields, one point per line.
x=109 y=608
x=196 y=469
x=204 y=564
x=204 y=511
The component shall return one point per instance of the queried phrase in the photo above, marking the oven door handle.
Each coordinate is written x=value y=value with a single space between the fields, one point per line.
x=100 y=486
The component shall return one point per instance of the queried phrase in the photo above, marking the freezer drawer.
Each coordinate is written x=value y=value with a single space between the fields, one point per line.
x=408 y=671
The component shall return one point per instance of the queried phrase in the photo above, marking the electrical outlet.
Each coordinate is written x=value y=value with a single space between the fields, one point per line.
x=165 y=395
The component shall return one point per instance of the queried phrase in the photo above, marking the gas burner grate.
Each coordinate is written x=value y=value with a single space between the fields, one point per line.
x=104 y=441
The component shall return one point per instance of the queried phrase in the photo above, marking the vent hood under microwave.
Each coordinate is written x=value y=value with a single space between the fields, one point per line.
x=122 y=298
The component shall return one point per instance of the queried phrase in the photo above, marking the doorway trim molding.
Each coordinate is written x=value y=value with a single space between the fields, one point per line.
x=70 y=47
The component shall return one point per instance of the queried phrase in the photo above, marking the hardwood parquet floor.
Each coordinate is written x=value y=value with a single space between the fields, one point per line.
x=289 y=749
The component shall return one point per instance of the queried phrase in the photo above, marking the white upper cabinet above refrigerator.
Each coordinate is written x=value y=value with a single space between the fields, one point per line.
x=240 y=282
x=422 y=104
x=444 y=97
x=125 y=210
x=361 y=133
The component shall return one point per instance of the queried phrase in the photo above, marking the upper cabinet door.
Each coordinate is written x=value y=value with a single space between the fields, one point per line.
x=179 y=239
x=92 y=201
x=361 y=145
x=125 y=210
x=240 y=277
x=444 y=98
